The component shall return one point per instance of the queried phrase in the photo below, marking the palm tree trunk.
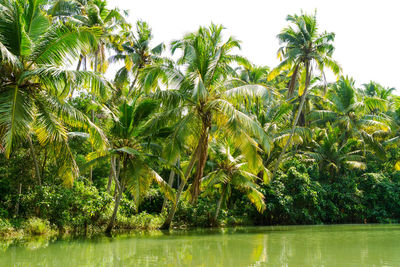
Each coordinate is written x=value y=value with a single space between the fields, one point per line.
x=114 y=215
x=112 y=171
x=219 y=203
x=292 y=82
x=35 y=161
x=79 y=62
x=171 y=214
x=119 y=188
x=296 y=120
x=200 y=164
x=134 y=82
x=92 y=112
x=170 y=183
x=18 y=199
x=44 y=161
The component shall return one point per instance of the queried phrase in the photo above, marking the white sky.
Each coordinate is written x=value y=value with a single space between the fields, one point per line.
x=367 y=32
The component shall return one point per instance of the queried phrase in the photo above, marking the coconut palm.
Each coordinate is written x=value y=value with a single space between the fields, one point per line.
x=304 y=50
x=200 y=103
x=35 y=80
x=351 y=113
x=131 y=165
x=376 y=97
x=334 y=152
x=231 y=171
x=93 y=14
x=375 y=89
x=136 y=54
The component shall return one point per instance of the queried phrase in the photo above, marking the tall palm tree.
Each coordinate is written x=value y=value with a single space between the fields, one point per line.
x=131 y=165
x=304 y=49
x=199 y=105
x=94 y=14
x=230 y=172
x=35 y=80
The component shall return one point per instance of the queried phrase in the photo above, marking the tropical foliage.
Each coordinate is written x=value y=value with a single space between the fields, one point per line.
x=204 y=137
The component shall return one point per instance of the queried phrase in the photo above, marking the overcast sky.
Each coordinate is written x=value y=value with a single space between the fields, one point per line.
x=367 y=32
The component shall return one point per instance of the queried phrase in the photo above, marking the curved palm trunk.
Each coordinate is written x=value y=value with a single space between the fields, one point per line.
x=170 y=183
x=93 y=99
x=112 y=171
x=35 y=161
x=296 y=120
x=114 y=215
x=119 y=188
x=203 y=143
x=171 y=214
x=219 y=203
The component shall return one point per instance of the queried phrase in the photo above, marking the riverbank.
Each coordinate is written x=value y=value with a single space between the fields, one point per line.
x=36 y=227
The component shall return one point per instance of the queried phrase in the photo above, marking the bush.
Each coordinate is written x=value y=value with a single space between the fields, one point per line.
x=6 y=227
x=199 y=215
x=302 y=196
x=76 y=206
x=142 y=221
x=37 y=226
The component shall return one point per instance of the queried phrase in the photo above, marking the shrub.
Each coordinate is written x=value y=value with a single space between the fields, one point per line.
x=6 y=227
x=199 y=215
x=76 y=206
x=143 y=221
x=37 y=226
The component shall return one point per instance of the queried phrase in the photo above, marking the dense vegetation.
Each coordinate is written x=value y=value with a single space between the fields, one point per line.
x=188 y=133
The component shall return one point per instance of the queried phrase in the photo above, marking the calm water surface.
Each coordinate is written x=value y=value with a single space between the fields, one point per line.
x=338 y=245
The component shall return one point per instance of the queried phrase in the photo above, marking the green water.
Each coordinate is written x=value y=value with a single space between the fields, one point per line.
x=339 y=245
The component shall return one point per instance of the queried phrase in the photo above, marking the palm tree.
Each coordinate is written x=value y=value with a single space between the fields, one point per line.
x=351 y=114
x=136 y=54
x=95 y=14
x=304 y=49
x=200 y=102
x=375 y=89
x=231 y=171
x=131 y=164
x=92 y=14
x=377 y=98
x=334 y=153
x=35 y=80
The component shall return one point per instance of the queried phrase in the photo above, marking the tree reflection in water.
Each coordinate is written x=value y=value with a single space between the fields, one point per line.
x=352 y=245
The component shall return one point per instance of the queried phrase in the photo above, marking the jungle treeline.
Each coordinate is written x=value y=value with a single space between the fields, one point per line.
x=101 y=128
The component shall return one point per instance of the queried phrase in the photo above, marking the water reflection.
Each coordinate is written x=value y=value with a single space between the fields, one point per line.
x=349 y=245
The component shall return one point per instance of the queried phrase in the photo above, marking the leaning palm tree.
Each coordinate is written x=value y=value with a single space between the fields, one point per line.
x=304 y=49
x=199 y=105
x=231 y=171
x=131 y=162
x=35 y=80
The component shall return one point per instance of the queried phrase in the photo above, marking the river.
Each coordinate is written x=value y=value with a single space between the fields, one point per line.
x=332 y=245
